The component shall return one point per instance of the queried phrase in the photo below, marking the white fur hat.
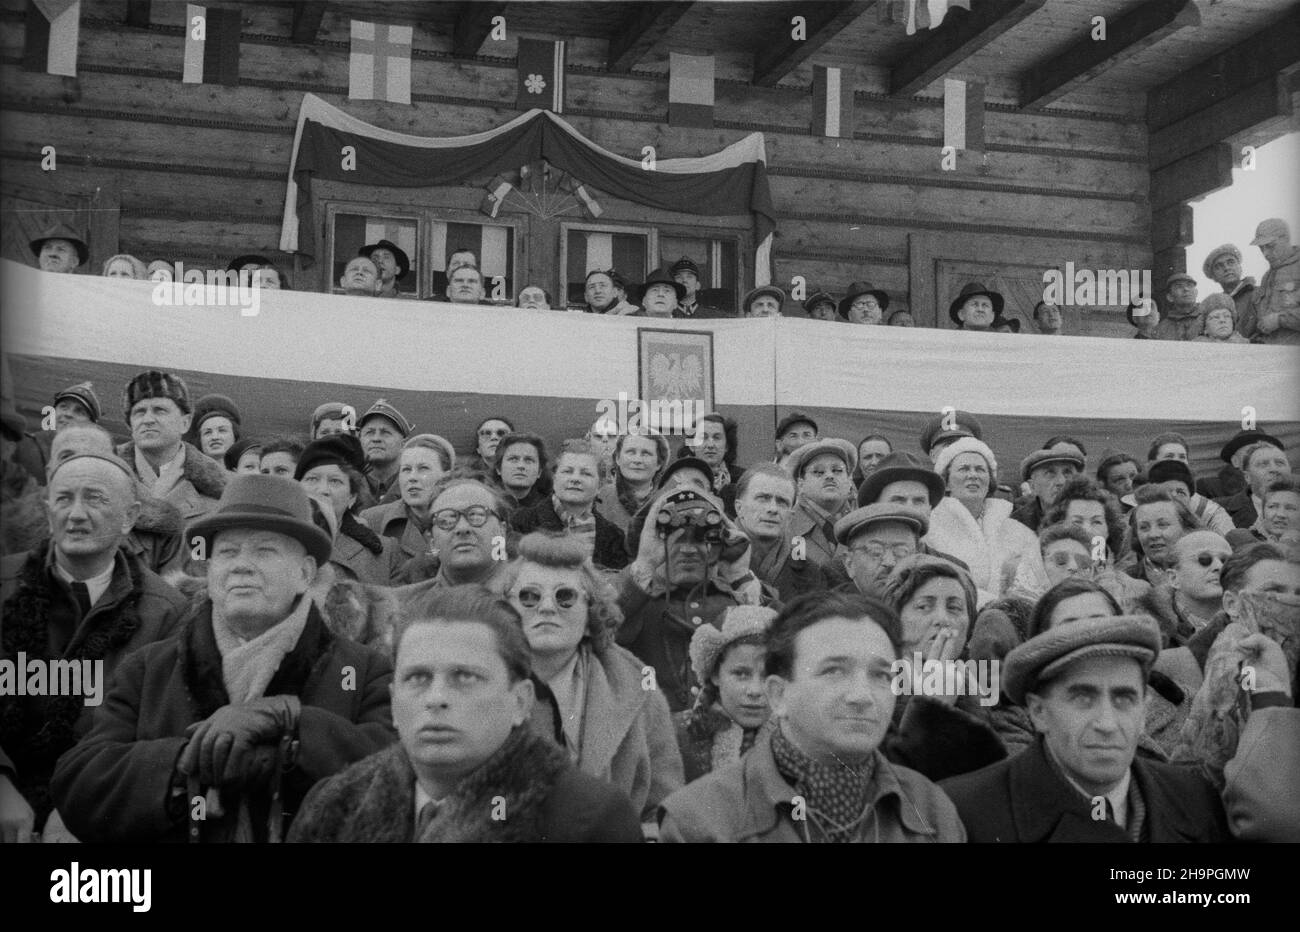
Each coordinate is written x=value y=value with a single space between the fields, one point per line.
x=967 y=445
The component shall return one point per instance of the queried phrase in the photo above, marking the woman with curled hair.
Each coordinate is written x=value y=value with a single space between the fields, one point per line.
x=522 y=469
x=424 y=460
x=939 y=733
x=598 y=709
x=731 y=709
x=639 y=460
x=330 y=471
x=125 y=266
x=577 y=476
x=1153 y=527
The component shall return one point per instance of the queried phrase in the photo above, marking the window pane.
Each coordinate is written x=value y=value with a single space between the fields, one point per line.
x=494 y=252
x=717 y=260
x=595 y=249
x=352 y=231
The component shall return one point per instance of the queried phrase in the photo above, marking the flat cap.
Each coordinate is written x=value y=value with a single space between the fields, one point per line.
x=859 y=519
x=1043 y=657
x=834 y=445
x=793 y=418
x=1179 y=277
x=1227 y=249
x=1046 y=458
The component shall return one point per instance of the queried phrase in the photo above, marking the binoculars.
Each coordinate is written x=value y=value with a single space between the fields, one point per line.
x=690 y=512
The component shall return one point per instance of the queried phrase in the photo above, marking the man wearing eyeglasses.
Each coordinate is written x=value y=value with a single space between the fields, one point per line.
x=877 y=538
x=1192 y=591
x=468 y=538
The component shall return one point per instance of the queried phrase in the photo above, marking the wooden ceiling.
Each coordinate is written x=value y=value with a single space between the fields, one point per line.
x=1030 y=52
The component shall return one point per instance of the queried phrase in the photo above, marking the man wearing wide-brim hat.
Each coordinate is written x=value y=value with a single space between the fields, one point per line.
x=249 y=706
x=1047 y=472
x=393 y=264
x=1084 y=685
x=822 y=471
x=976 y=307
x=60 y=249
x=864 y=303
x=763 y=301
x=820 y=305
x=1230 y=480
x=904 y=479
x=658 y=295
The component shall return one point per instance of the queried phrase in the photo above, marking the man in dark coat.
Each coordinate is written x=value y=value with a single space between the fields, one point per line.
x=219 y=733
x=468 y=767
x=687 y=274
x=1047 y=472
x=1263 y=463
x=81 y=599
x=1084 y=685
x=765 y=499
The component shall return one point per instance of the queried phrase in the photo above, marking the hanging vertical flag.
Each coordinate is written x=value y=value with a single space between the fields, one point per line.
x=540 y=81
x=690 y=90
x=963 y=115
x=497 y=190
x=50 y=42
x=379 y=66
x=211 y=46
x=832 y=103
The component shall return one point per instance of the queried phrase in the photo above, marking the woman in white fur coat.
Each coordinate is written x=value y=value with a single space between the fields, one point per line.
x=976 y=528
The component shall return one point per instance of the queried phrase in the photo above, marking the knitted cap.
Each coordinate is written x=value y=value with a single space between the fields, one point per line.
x=708 y=643
x=84 y=394
x=155 y=384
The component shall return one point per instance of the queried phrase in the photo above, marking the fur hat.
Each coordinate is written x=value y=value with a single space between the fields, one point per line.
x=334 y=450
x=967 y=445
x=1227 y=249
x=84 y=394
x=1219 y=301
x=155 y=384
x=1042 y=657
x=709 y=644
x=216 y=405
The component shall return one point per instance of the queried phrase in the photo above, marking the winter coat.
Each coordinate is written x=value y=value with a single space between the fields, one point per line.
x=1262 y=794
x=361 y=554
x=611 y=509
x=1030 y=514
x=750 y=801
x=136 y=609
x=202 y=481
x=1244 y=297
x=626 y=737
x=1185 y=327
x=1279 y=293
x=658 y=630
x=116 y=785
x=529 y=780
x=940 y=740
x=819 y=546
x=609 y=552
x=988 y=546
x=1241 y=508
x=394 y=521
x=710 y=740
x=1025 y=799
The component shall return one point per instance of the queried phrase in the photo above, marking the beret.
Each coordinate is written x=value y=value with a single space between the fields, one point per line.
x=1042 y=657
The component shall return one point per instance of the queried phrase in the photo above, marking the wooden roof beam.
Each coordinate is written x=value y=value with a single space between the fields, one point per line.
x=961 y=36
x=824 y=21
x=640 y=31
x=473 y=26
x=1267 y=53
x=1135 y=31
x=307 y=18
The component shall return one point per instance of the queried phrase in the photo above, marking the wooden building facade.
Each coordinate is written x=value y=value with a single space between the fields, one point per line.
x=1091 y=149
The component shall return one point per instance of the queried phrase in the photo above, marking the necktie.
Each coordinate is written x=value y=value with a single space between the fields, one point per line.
x=82 y=594
x=1110 y=813
x=427 y=813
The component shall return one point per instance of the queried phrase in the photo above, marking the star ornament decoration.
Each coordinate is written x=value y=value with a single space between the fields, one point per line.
x=535 y=84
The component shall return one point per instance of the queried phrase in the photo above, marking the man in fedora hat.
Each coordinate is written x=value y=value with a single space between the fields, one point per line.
x=59 y=249
x=864 y=303
x=393 y=264
x=1223 y=266
x=1183 y=318
x=686 y=273
x=383 y=429
x=763 y=301
x=219 y=733
x=1276 y=303
x=976 y=308
x=81 y=599
x=659 y=295
x=1084 y=685
x=820 y=305
x=902 y=479
x=1230 y=479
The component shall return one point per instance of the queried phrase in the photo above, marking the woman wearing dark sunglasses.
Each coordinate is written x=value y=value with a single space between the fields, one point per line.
x=612 y=727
